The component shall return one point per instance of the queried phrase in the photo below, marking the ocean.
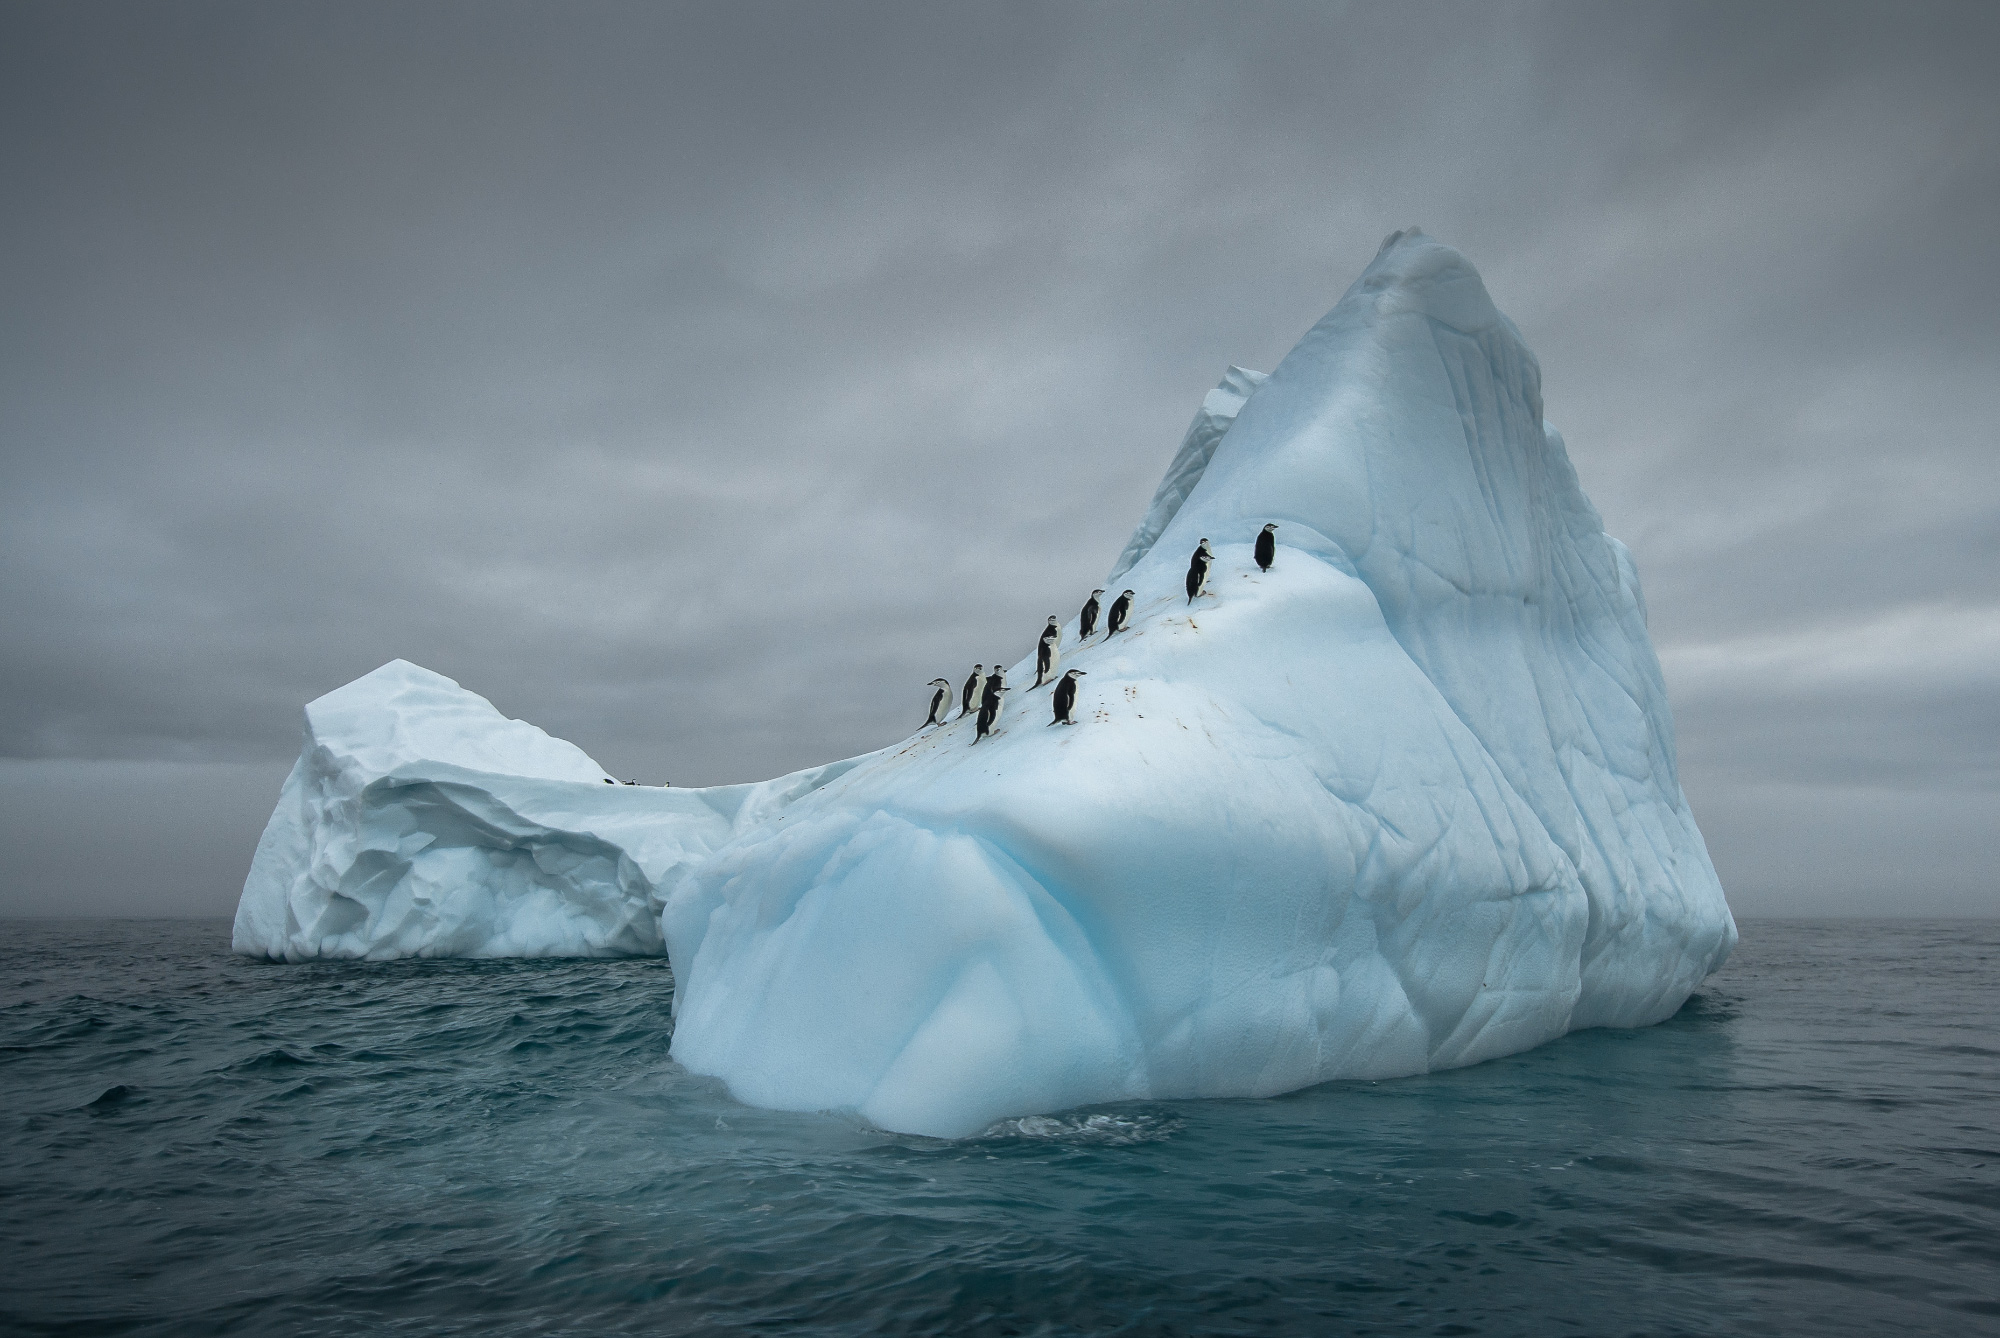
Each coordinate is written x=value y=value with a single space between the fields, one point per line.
x=199 y=1144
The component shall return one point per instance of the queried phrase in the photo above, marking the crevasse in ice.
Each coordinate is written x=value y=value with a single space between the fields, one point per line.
x=1406 y=801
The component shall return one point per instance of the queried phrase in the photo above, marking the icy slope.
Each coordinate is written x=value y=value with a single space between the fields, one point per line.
x=1218 y=410
x=420 y=822
x=1406 y=802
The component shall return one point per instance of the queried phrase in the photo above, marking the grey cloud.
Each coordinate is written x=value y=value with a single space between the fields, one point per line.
x=697 y=383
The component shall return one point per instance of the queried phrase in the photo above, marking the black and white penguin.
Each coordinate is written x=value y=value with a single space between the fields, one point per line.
x=1065 y=697
x=940 y=701
x=1121 y=609
x=1198 y=567
x=989 y=705
x=1267 y=548
x=965 y=702
x=1048 y=652
x=1086 y=622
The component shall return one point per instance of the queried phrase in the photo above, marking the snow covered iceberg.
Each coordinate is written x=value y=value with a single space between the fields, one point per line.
x=1406 y=801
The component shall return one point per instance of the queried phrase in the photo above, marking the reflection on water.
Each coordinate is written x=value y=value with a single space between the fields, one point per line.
x=197 y=1143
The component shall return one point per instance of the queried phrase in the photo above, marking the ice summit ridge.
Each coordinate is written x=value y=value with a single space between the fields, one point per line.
x=1406 y=801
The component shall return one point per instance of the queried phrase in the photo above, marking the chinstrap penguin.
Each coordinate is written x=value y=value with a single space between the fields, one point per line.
x=1086 y=622
x=1198 y=565
x=989 y=704
x=1065 y=697
x=1121 y=609
x=965 y=707
x=1048 y=652
x=1267 y=547
x=940 y=701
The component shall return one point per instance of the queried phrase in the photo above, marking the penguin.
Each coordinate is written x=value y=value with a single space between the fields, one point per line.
x=1048 y=653
x=965 y=707
x=1065 y=697
x=1121 y=609
x=940 y=701
x=1267 y=548
x=1086 y=622
x=1198 y=569
x=989 y=705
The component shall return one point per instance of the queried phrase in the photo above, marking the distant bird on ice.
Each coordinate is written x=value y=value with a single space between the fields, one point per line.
x=1267 y=547
x=971 y=690
x=1048 y=652
x=1065 y=697
x=989 y=703
x=940 y=701
x=1086 y=622
x=1121 y=609
x=1198 y=567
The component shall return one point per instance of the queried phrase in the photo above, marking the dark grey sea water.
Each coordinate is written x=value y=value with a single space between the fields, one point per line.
x=197 y=1144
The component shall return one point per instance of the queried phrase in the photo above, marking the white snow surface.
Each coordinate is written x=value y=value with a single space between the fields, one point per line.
x=1407 y=801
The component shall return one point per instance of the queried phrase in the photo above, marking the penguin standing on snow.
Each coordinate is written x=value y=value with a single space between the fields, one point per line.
x=1049 y=652
x=971 y=691
x=940 y=701
x=989 y=704
x=1121 y=609
x=1267 y=548
x=1065 y=697
x=1198 y=567
x=1086 y=622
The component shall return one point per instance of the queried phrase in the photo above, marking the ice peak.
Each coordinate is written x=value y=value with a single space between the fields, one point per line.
x=1414 y=272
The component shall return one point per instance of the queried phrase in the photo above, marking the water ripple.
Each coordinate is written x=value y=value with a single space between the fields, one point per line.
x=199 y=1144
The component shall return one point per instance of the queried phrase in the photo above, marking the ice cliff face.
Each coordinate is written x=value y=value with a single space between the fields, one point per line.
x=420 y=822
x=1406 y=801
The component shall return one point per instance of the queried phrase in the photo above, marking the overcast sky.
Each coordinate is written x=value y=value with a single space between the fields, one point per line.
x=697 y=382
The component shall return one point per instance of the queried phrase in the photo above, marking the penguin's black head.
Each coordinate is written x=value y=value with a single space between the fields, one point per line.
x=1096 y=592
x=1076 y=673
x=1126 y=595
x=1272 y=526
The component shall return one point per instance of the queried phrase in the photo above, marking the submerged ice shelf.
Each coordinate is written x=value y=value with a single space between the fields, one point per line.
x=1404 y=802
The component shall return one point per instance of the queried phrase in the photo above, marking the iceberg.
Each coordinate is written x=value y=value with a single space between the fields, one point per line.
x=420 y=822
x=1407 y=800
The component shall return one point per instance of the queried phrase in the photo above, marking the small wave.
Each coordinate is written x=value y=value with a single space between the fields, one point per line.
x=112 y=1096
x=279 y=1058
x=1103 y=1129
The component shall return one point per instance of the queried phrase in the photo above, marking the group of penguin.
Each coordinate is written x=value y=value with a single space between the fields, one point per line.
x=1049 y=652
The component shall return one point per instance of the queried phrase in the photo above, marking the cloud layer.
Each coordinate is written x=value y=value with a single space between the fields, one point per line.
x=699 y=384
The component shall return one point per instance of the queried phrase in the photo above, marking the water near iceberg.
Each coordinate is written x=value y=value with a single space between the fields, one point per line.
x=198 y=1143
